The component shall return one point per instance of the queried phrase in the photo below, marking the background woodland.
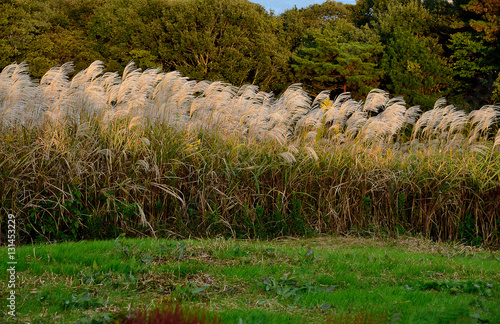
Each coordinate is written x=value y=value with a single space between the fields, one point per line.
x=422 y=50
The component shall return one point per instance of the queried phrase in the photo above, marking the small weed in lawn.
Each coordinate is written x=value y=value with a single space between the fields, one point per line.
x=189 y=292
x=83 y=301
x=287 y=286
x=459 y=286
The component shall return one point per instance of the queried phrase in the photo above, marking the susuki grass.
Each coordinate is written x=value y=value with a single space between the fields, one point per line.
x=157 y=154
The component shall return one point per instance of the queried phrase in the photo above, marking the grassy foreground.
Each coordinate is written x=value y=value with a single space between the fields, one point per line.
x=325 y=279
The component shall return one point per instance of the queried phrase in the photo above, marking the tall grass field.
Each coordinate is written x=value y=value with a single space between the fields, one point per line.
x=156 y=154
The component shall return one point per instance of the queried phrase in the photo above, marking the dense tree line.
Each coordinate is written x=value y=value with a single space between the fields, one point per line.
x=422 y=50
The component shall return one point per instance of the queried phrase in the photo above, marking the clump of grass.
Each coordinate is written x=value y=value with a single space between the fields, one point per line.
x=154 y=153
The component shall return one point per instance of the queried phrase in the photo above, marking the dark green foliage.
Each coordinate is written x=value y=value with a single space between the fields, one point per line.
x=475 y=50
x=414 y=70
x=234 y=41
x=413 y=61
x=468 y=232
x=423 y=50
x=343 y=58
x=83 y=300
x=290 y=287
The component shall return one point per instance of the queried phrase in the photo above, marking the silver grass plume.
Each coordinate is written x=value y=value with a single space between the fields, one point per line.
x=430 y=120
x=412 y=114
x=199 y=91
x=288 y=157
x=340 y=111
x=311 y=153
x=86 y=95
x=17 y=93
x=54 y=86
x=388 y=122
x=294 y=103
x=218 y=110
x=355 y=123
x=376 y=100
x=312 y=119
x=482 y=120
x=331 y=112
x=241 y=104
x=256 y=118
x=172 y=99
x=320 y=98
x=497 y=139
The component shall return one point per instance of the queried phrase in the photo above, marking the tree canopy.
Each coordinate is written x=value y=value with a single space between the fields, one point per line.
x=419 y=49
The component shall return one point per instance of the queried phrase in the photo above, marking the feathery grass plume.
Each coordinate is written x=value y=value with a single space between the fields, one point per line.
x=412 y=114
x=17 y=93
x=55 y=87
x=340 y=111
x=172 y=99
x=311 y=153
x=454 y=122
x=206 y=107
x=388 y=122
x=288 y=157
x=374 y=128
x=332 y=111
x=110 y=81
x=479 y=148
x=311 y=136
x=136 y=89
x=255 y=118
x=128 y=86
x=482 y=120
x=136 y=132
x=83 y=130
x=375 y=101
x=134 y=93
x=321 y=98
x=312 y=120
x=293 y=104
x=355 y=123
x=497 y=139
x=244 y=99
x=395 y=114
x=86 y=95
x=293 y=149
x=145 y=88
x=221 y=107
x=339 y=139
x=6 y=80
x=441 y=117
x=199 y=97
x=88 y=76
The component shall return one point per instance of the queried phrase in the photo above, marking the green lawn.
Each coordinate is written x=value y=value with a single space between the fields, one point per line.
x=327 y=279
